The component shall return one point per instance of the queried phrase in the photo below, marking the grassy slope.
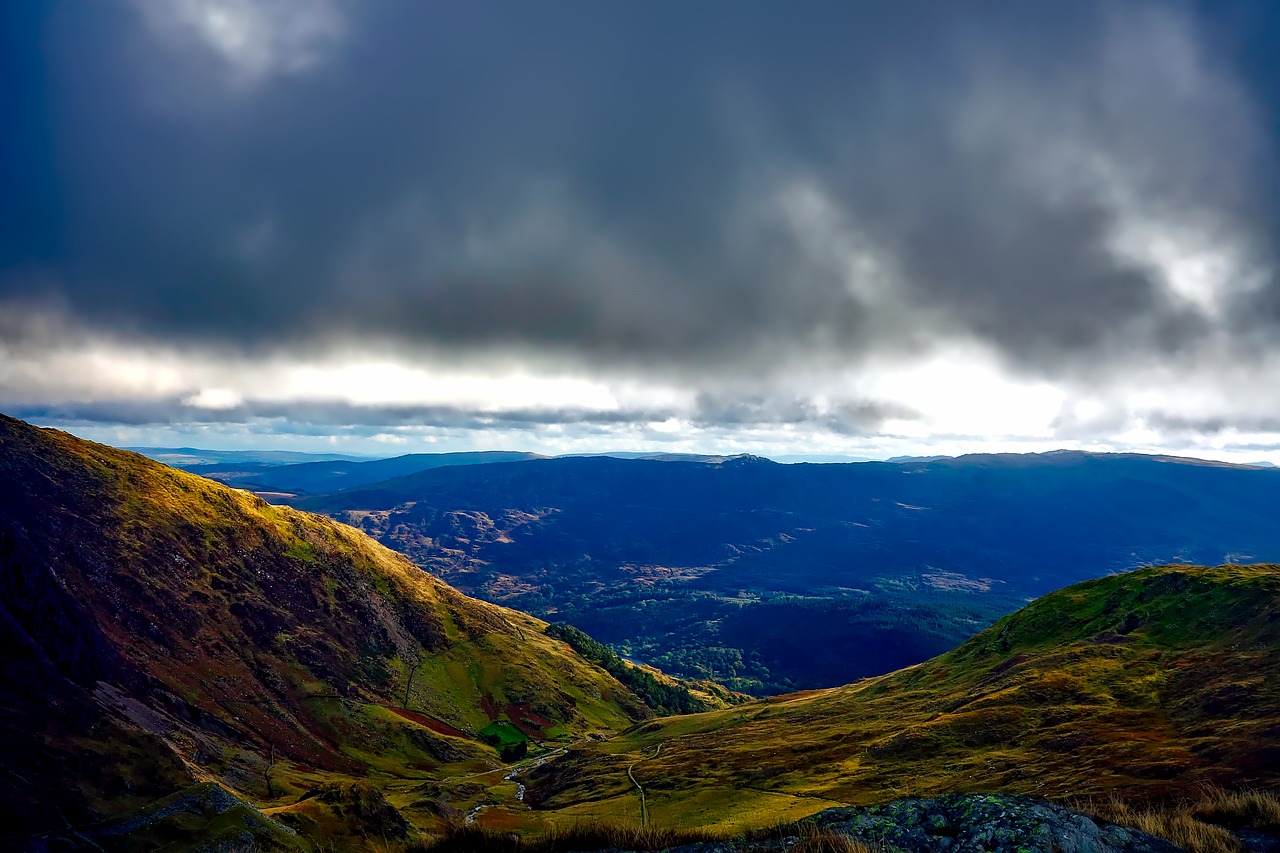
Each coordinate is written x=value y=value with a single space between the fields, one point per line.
x=184 y=630
x=1143 y=683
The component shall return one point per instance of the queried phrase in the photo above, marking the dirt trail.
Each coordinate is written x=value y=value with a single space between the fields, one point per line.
x=644 y=806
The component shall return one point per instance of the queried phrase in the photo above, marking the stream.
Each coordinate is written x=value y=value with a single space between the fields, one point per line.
x=513 y=776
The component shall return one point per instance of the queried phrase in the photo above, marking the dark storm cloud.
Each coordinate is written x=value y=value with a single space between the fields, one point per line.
x=681 y=186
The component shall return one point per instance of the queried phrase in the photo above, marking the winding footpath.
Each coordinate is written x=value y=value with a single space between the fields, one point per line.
x=644 y=806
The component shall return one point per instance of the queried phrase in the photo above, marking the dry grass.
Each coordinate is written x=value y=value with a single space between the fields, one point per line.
x=812 y=838
x=592 y=836
x=1247 y=809
x=1199 y=825
x=816 y=840
x=1047 y=703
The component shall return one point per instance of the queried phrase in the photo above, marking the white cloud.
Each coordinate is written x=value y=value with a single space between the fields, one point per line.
x=955 y=400
x=252 y=40
x=215 y=399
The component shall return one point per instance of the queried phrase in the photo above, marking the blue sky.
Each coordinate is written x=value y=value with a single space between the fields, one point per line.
x=871 y=228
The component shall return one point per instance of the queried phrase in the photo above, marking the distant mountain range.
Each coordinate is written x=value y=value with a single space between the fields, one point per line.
x=703 y=568
x=290 y=474
x=185 y=457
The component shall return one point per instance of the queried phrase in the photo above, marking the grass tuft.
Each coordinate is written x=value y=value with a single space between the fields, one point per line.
x=814 y=839
x=1201 y=825
x=1246 y=809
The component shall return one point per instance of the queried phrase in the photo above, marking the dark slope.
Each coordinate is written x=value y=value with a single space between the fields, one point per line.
x=885 y=564
x=158 y=628
x=1148 y=683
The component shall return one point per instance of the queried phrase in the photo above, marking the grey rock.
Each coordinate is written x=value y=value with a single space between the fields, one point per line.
x=971 y=823
x=975 y=823
x=1257 y=842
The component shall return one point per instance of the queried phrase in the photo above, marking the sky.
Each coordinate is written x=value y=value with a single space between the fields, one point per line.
x=802 y=228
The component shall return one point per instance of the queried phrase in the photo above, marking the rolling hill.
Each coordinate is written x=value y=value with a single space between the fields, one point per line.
x=160 y=630
x=704 y=568
x=1147 y=684
x=326 y=475
x=189 y=457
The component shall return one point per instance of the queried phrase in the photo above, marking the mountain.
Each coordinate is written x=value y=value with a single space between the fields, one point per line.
x=188 y=457
x=1149 y=684
x=336 y=474
x=159 y=630
x=704 y=569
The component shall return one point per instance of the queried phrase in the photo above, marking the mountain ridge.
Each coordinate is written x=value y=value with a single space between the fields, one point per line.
x=162 y=629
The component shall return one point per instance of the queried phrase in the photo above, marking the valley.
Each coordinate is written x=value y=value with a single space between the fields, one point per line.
x=639 y=427
x=1149 y=683
x=188 y=665
x=704 y=567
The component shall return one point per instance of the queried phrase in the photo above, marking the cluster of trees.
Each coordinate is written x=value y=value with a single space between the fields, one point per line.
x=749 y=641
x=732 y=667
x=662 y=697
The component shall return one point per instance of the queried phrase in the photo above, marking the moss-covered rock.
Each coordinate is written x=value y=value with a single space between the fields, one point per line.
x=985 y=824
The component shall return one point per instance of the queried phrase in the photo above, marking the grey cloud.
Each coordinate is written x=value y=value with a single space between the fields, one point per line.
x=858 y=417
x=601 y=183
x=1212 y=424
x=177 y=410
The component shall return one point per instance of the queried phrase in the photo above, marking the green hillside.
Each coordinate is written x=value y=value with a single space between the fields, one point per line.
x=1146 y=684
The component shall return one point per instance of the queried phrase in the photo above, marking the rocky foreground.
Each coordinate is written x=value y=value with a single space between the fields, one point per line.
x=969 y=823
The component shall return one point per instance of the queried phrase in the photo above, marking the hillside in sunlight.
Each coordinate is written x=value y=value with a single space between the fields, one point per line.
x=1147 y=684
x=161 y=630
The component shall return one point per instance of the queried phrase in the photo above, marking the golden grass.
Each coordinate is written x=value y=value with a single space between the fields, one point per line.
x=816 y=839
x=1052 y=703
x=1246 y=809
x=827 y=841
x=1199 y=825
